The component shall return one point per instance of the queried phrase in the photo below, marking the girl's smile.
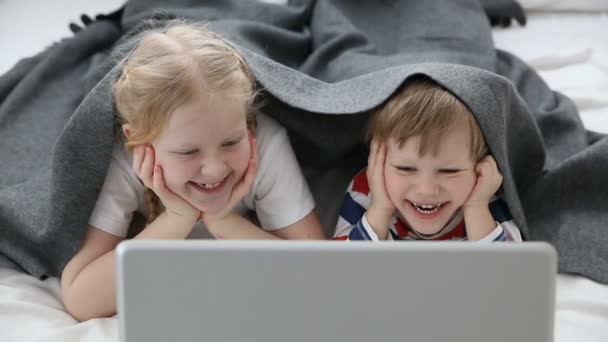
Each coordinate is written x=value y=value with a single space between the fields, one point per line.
x=205 y=150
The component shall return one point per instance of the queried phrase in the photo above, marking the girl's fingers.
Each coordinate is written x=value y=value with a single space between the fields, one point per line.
x=252 y=167
x=252 y=170
x=253 y=145
x=243 y=187
x=147 y=167
x=158 y=182
x=138 y=157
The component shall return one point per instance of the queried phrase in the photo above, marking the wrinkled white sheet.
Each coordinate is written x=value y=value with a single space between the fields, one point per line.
x=571 y=53
x=31 y=310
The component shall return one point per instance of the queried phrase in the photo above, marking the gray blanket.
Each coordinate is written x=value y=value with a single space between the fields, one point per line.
x=323 y=65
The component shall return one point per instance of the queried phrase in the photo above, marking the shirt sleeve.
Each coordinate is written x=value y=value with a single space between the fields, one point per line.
x=118 y=200
x=352 y=223
x=504 y=231
x=281 y=194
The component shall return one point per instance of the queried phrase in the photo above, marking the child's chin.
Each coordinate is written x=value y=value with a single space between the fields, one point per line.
x=211 y=208
x=428 y=229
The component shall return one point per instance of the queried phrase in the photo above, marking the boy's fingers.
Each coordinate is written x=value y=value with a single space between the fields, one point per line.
x=380 y=156
x=382 y=152
x=372 y=154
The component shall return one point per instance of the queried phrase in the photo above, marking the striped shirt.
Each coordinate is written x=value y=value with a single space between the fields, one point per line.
x=352 y=223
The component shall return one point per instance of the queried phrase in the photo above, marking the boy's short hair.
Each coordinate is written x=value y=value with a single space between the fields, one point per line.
x=423 y=107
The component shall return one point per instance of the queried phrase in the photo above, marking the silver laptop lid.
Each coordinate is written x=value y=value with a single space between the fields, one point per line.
x=298 y=291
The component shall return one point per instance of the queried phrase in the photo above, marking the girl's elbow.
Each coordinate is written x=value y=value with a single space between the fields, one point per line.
x=77 y=306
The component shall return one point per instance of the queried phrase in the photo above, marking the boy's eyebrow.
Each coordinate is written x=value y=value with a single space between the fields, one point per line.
x=397 y=160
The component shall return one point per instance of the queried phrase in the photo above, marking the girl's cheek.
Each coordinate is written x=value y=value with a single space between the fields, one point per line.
x=176 y=168
x=239 y=158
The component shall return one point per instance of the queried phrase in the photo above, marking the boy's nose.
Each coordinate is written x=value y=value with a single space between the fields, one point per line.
x=427 y=186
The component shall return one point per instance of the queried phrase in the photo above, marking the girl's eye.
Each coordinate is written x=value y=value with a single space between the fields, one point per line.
x=188 y=153
x=449 y=171
x=231 y=143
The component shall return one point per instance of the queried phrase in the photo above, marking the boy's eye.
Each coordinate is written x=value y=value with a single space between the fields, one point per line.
x=405 y=168
x=449 y=171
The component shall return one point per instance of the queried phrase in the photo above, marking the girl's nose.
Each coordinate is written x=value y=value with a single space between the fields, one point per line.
x=213 y=166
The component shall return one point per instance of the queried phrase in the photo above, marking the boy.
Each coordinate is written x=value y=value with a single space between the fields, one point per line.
x=429 y=177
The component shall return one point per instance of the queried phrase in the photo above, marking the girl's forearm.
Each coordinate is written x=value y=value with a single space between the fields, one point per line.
x=234 y=226
x=92 y=293
x=168 y=226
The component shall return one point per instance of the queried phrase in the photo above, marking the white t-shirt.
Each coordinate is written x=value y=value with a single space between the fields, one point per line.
x=279 y=195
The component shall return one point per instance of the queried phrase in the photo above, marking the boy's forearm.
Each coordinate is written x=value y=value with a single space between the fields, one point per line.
x=479 y=222
x=234 y=226
x=379 y=220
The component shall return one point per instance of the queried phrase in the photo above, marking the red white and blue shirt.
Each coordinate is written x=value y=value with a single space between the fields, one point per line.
x=352 y=223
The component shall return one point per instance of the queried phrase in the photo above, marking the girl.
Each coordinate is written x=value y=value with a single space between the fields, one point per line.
x=185 y=101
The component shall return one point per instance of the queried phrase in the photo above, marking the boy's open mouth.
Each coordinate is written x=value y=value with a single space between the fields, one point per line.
x=427 y=209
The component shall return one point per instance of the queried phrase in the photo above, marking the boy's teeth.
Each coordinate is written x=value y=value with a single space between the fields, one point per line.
x=427 y=208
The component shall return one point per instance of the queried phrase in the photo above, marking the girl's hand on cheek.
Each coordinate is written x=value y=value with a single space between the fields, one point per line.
x=241 y=188
x=489 y=180
x=153 y=178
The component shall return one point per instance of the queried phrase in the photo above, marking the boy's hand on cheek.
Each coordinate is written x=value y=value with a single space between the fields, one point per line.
x=152 y=176
x=241 y=188
x=489 y=180
x=381 y=202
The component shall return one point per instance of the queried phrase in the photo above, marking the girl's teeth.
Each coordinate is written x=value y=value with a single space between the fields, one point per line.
x=210 y=186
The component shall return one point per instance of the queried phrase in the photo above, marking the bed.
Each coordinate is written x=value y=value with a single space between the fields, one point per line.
x=564 y=41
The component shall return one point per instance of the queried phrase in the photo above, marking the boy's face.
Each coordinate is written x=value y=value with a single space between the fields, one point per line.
x=427 y=190
x=205 y=150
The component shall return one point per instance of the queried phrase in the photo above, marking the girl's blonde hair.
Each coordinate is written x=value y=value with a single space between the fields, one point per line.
x=424 y=108
x=169 y=67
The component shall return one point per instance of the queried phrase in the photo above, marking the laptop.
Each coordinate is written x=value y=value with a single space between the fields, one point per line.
x=334 y=291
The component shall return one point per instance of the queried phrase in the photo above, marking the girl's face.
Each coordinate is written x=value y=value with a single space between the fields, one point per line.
x=427 y=190
x=204 y=150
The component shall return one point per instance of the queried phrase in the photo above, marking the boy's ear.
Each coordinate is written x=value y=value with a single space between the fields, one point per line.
x=127 y=130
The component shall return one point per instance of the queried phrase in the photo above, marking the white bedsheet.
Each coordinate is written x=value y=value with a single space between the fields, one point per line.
x=570 y=50
x=31 y=310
